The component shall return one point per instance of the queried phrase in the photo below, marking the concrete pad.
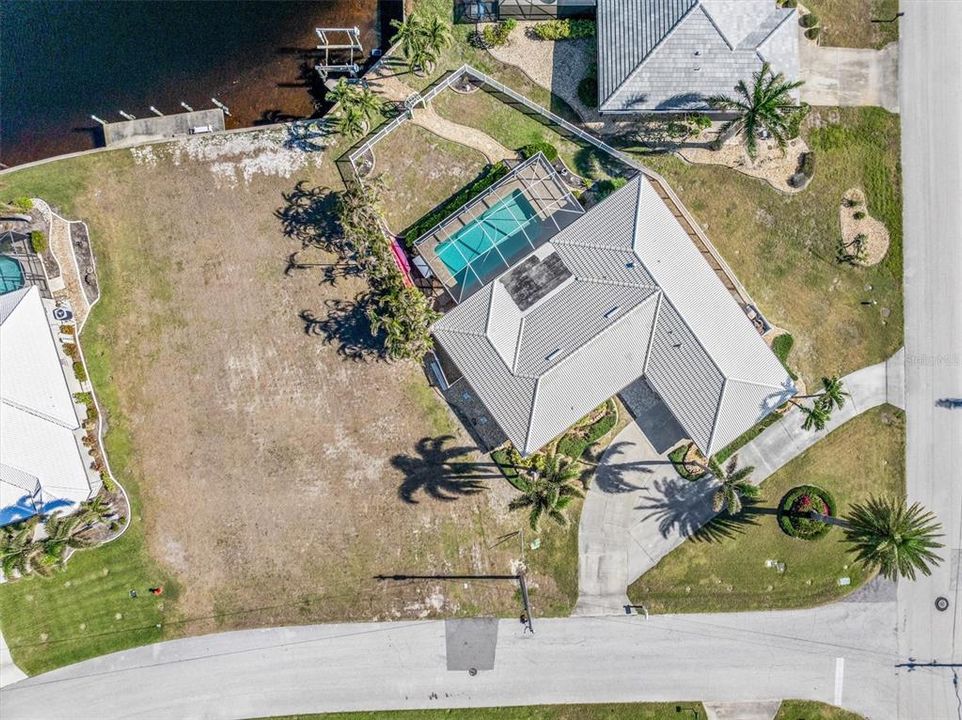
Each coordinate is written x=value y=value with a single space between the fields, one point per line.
x=849 y=77
x=470 y=643
x=764 y=710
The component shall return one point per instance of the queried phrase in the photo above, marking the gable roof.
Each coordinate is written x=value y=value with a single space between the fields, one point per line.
x=670 y=55
x=40 y=447
x=641 y=301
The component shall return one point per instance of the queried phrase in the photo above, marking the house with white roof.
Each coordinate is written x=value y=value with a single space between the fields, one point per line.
x=671 y=55
x=618 y=293
x=44 y=465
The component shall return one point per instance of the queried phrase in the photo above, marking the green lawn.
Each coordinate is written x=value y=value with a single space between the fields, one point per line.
x=810 y=710
x=722 y=568
x=421 y=170
x=782 y=247
x=515 y=129
x=606 y=711
x=848 y=23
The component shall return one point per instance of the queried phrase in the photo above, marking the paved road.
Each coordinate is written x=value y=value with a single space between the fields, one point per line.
x=638 y=509
x=749 y=656
x=931 y=103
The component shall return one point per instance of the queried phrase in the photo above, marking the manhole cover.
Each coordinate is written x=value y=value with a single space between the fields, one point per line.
x=941 y=604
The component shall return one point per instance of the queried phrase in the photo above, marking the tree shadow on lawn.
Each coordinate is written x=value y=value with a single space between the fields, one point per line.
x=309 y=216
x=685 y=507
x=440 y=472
x=346 y=323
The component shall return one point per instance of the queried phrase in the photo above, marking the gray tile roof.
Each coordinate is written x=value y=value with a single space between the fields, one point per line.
x=670 y=55
x=641 y=301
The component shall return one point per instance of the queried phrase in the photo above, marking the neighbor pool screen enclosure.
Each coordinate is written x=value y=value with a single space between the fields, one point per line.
x=494 y=230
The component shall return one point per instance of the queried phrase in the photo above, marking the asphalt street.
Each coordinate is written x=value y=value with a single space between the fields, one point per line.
x=931 y=107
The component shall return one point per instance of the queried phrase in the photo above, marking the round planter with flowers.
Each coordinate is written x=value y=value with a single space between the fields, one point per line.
x=799 y=508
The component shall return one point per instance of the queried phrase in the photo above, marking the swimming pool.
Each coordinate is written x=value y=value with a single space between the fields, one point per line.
x=469 y=254
x=11 y=274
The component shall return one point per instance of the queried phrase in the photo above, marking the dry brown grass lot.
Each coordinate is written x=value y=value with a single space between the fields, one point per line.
x=278 y=476
x=421 y=170
x=848 y=23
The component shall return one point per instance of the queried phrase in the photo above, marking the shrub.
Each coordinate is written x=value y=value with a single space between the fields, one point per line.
x=38 y=242
x=24 y=203
x=604 y=188
x=497 y=34
x=859 y=214
x=549 y=150
x=789 y=3
x=70 y=350
x=796 y=503
x=782 y=346
x=588 y=91
x=576 y=441
x=807 y=167
x=677 y=457
x=813 y=32
x=508 y=460
x=67 y=330
x=564 y=29
x=700 y=121
x=809 y=20
x=850 y=202
x=80 y=371
x=487 y=178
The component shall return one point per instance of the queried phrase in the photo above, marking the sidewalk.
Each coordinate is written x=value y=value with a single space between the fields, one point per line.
x=638 y=509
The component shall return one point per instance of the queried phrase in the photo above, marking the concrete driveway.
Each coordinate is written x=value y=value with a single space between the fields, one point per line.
x=849 y=77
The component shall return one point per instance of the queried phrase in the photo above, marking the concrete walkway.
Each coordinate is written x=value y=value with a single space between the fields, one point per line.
x=638 y=509
x=9 y=672
x=849 y=77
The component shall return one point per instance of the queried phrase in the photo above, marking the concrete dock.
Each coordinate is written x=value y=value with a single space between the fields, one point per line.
x=154 y=127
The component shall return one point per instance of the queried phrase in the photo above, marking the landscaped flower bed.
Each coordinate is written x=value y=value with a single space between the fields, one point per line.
x=795 y=508
x=589 y=430
x=681 y=458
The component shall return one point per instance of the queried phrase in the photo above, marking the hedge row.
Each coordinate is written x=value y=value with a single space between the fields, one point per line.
x=549 y=150
x=804 y=528
x=575 y=442
x=489 y=177
x=564 y=29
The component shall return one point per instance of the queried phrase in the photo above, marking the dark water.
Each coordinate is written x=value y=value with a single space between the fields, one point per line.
x=61 y=61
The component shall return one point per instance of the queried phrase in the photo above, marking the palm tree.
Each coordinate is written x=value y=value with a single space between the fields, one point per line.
x=62 y=534
x=833 y=393
x=19 y=551
x=767 y=105
x=896 y=539
x=547 y=490
x=436 y=36
x=96 y=509
x=734 y=486
x=368 y=102
x=815 y=416
x=351 y=122
x=410 y=37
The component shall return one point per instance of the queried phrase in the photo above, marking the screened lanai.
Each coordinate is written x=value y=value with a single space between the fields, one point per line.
x=491 y=232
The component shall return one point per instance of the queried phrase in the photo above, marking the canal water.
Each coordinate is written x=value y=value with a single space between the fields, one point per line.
x=61 y=61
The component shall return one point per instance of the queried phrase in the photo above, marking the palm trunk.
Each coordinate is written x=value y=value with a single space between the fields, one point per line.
x=829 y=519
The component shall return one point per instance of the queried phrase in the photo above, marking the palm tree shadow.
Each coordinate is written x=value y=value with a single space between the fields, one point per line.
x=725 y=526
x=347 y=325
x=683 y=507
x=441 y=472
x=616 y=477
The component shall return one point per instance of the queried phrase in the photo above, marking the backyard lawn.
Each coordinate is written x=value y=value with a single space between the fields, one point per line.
x=514 y=129
x=722 y=569
x=783 y=247
x=421 y=170
x=848 y=23
x=276 y=468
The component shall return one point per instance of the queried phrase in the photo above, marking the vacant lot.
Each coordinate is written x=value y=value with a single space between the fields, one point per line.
x=276 y=466
x=783 y=247
x=722 y=568
x=848 y=23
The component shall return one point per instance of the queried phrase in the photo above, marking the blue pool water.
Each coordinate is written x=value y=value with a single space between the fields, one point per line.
x=469 y=255
x=11 y=274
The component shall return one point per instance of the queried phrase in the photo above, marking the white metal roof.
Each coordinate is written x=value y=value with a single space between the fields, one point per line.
x=642 y=301
x=670 y=55
x=39 y=428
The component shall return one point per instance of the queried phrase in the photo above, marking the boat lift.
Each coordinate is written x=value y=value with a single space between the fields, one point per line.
x=338 y=39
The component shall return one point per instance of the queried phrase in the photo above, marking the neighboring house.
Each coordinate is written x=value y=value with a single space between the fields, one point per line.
x=617 y=293
x=492 y=10
x=670 y=55
x=44 y=464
